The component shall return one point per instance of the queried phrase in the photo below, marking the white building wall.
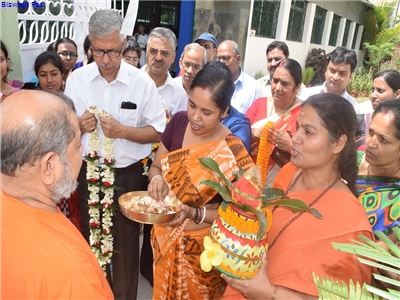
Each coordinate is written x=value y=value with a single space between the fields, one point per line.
x=255 y=56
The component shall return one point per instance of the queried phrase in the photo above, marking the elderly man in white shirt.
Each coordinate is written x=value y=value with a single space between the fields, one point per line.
x=192 y=60
x=136 y=120
x=161 y=53
x=339 y=72
x=247 y=88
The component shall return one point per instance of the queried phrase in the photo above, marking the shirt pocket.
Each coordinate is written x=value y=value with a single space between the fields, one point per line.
x=129 y=117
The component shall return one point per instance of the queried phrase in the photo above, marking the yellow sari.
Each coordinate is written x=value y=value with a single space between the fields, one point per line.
x=177 y=272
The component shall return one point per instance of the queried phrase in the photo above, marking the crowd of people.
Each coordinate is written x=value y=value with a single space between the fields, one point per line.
x=344 y=164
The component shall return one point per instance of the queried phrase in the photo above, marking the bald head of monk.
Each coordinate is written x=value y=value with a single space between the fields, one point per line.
x=40 y=148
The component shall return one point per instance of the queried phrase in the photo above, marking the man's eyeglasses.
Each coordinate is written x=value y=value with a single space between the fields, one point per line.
x=195 y=67
x=225 y=58
x=65 y=54
x=154 y=52
x=131 y=58
x=111 y=53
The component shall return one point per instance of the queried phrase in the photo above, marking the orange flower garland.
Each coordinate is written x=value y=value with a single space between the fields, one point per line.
x=242 y=223
x=264 y=151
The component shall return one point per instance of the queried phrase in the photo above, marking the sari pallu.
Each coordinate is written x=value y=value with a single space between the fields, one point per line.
x=278 y=158
x=380 y=197
x=177 y=272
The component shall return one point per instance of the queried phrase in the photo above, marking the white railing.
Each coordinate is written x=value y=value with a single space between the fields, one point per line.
x=41 y=22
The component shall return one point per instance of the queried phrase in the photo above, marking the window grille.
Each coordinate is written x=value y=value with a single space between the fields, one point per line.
x=265 y=17
x=318 y=25
x=334 y=30
x=353 y=45
x=346 y=33
x=296 y=21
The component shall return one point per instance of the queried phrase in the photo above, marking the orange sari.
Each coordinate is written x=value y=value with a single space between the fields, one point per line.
x=306 y=244
x=177 y=272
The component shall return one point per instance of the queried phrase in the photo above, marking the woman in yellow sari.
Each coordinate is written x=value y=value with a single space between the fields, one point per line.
x=191 y=135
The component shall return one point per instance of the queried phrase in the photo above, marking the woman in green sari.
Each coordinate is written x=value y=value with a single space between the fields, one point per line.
x=378 y=182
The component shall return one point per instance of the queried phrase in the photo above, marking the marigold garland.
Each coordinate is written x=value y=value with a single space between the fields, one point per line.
x=100 y=176
x=242 y=223
x=264 y=151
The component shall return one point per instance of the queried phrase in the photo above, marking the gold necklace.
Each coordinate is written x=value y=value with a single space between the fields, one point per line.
x=281 y=112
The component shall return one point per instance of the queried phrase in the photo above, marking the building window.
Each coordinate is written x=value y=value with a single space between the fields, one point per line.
x=265 y=17
x=318 y=25
x=353 y=45
x=296 y=21
x=346 y=33
x=334 y=30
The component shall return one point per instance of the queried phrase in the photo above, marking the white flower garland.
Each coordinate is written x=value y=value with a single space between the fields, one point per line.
x=100 y=177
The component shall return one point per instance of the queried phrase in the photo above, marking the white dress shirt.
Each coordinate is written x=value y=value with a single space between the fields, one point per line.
x=247 y=90
x=87 y=87
x=321 y=89
x=172 y=94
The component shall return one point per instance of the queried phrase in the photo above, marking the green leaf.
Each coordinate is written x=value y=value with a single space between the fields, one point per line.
x=211 y=164
x=262 y=221
x=272 y=193
x=238 y=175
x=224 y=205
x=219 y=188
x=388 y=242
x=296 y=206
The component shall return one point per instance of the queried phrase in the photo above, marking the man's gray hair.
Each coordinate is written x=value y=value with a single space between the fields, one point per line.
x=163 y=34
x=196 y=47
x=105 y=22
x=27 y=143
x=234 y=46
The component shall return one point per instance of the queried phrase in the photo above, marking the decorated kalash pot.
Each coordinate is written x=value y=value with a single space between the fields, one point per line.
x=238 y=237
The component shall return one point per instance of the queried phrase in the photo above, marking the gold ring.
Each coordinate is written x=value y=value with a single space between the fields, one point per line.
x=92 y=129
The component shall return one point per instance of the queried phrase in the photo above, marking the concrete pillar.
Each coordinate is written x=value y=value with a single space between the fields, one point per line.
x=359 y=36
x=283 y=20
x=342 y=26
x=308 y=25
x=351 y=35
x=327 y=29
x=9 y=35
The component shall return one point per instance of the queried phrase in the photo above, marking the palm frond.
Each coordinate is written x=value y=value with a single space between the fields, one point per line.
x=388 y=35
x=369 y=253
x=331 y=289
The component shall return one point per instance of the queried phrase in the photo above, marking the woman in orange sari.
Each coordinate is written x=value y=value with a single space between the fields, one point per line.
x=322 y=173
x=188 y=136
x=283 y=108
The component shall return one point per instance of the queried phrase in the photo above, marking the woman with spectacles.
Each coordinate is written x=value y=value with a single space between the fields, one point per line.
x=132 y=52
x=68 y=52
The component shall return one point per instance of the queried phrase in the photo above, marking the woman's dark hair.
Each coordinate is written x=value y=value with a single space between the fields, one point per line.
x=391 y=77
x=86 y=44
x=48 y=57
x=278 y=45
x=63 y=41
x=392 y=106
x=52 y=46
x=5 y=51
x=294 y=69
x=216 y=77
x=132 y=45
x=337 y=116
